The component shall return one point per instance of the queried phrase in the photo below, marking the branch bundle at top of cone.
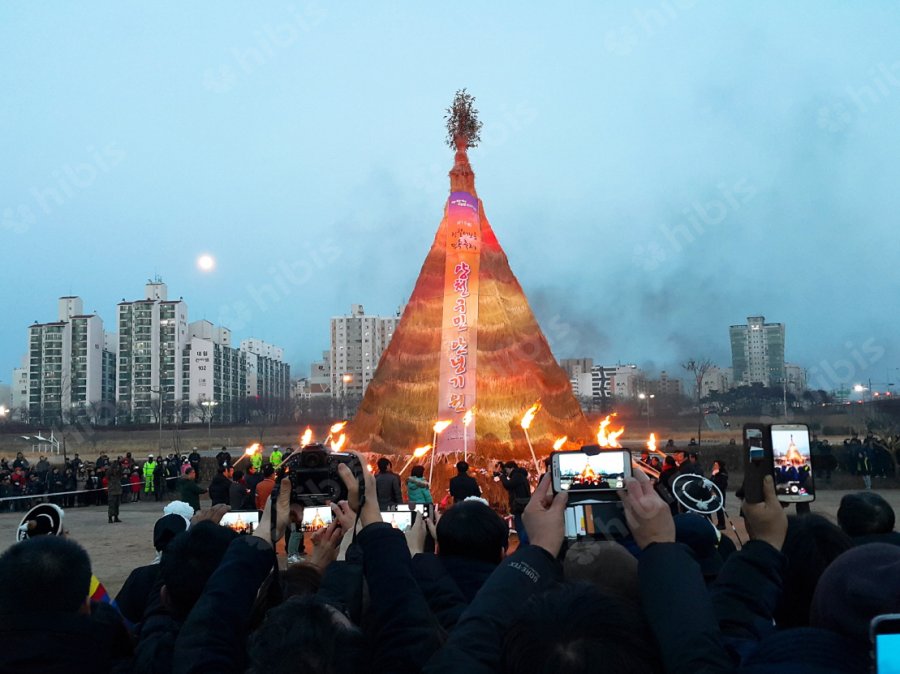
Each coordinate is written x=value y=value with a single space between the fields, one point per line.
x=462 y=120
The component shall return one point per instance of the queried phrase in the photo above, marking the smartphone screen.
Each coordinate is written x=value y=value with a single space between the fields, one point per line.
x=886 y=639
x=793 y=466
x=241 y=521
x=315 y=518
x=398 y=519
x=580 y=471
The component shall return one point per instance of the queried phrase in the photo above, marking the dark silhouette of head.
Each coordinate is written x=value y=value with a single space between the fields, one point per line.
x=304 y=634
x=865 y=513
x=45 y=574
x=418 y=471
x=471 y=529
x=462 y=467
x=189 y=561
x=811 y=545
x=578 y=629
x=384 y=465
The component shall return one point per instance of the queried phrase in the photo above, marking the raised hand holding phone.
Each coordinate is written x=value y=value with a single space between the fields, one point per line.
x=648 y=516
x=544 y=517
x=766 y=521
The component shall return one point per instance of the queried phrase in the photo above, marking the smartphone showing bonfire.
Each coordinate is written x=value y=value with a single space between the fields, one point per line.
x=241 y=521
x=315 y=518
x=581 y=471
x=398 y=519
x=792 y=463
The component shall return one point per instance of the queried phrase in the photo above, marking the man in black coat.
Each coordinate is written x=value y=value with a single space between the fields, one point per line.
x=220 y=486
x=515 y=480
x=387 y=486
x=463 y=485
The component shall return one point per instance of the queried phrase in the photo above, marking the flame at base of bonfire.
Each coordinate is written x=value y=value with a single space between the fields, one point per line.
x=607 y=438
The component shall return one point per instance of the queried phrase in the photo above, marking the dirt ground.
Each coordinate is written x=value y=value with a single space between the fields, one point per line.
x=116 y=549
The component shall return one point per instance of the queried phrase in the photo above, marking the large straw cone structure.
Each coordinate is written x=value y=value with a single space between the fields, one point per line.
x=515 y=366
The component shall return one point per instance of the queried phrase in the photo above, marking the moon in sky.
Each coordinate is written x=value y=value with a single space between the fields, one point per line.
x=206 y=263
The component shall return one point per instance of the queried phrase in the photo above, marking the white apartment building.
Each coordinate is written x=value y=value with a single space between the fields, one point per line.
x=64 y=364
x=757 y=352
x=215 y=374
x=606 y=381
x=153 y=334
x=795 y=378
x=268 y=376
x=19 y=392
x=357 y=342
x=717 y=380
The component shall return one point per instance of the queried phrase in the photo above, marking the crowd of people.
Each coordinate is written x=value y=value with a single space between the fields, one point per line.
x=78 y=483
x=455 y=593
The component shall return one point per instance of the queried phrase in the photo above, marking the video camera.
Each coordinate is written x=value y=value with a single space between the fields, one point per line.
x=314 y=475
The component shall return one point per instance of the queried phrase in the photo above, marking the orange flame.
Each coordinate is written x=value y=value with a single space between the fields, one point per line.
x=468 y=416
x=440 y=426
x=339 y=443
x=252 y=449
x=419 y=452
x=608 y=438
x=559 y=443
x=528 y=417
x=651 y=442
x=337 y=428
x=306 y=438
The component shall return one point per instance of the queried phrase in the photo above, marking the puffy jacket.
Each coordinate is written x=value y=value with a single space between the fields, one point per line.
x=417 y=490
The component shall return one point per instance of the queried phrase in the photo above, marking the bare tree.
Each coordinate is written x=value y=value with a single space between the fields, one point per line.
x=698 y=368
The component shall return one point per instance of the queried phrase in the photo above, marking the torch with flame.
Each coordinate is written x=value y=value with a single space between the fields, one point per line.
x=559 y=443
x=335 y=428
x=608 y=438
x=438 y=428
x=306 y=438
x=250 y=451
x=418 y=453
x=467 y=419
x=337 y=445
x=527 y=418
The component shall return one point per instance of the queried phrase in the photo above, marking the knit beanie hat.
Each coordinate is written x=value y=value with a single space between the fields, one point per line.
x=860 y=584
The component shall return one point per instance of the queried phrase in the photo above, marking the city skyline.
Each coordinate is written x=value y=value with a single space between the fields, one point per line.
x=647 y=197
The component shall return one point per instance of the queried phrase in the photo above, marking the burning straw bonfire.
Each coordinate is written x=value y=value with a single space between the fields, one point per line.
x=467 y=338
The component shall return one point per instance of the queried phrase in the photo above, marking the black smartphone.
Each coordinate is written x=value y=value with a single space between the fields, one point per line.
x=757 y=461
x=884 y=630
x=792 y=465
x=581 y=471
x=424 y=509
